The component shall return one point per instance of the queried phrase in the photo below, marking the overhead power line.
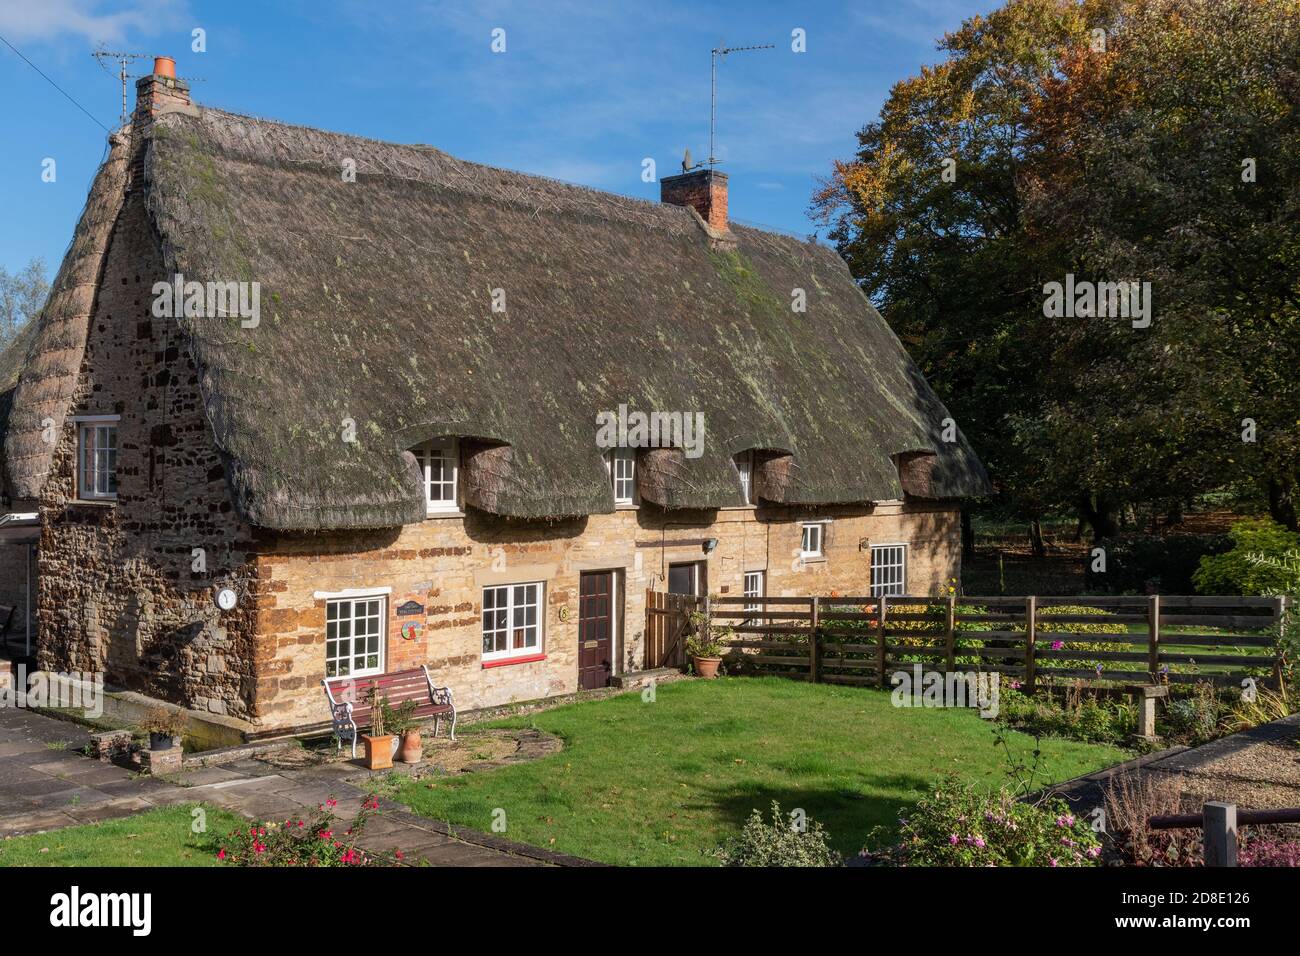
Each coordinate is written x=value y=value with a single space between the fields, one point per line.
x=55 y=85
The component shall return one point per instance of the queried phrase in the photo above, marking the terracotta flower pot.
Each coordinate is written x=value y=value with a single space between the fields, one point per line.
x=412 y=748
x=379 y=751
x=707 y=667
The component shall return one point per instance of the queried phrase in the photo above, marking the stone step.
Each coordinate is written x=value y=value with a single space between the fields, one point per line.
x=635 y=680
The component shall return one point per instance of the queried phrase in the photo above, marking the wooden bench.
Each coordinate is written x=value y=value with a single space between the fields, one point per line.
x=351 y=708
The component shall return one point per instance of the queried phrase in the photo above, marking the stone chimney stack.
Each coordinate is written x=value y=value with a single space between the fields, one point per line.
x=705 y=190
x=159 y=92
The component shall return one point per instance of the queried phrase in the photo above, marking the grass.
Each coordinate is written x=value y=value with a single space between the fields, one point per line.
x=162 y=837
x=658 y=783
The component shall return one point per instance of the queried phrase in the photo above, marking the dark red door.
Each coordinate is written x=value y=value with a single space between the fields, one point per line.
x=595 y=629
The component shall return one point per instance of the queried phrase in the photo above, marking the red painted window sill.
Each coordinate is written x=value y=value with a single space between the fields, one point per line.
x=514 y=660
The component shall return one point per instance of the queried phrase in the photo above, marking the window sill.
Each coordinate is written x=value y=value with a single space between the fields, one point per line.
x=94 y=502
x=813 y=558
x=527 y=659
x=626 y=506
x=449 y=513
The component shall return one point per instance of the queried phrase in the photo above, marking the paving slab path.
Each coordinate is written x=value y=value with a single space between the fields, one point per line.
x=47 y=784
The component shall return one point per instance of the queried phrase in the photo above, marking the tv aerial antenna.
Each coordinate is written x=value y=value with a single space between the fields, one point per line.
x=717 y=53
x=105 y=56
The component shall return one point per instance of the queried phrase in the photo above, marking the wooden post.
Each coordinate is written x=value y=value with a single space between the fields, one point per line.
x=813 y=637
x=880 y=637
x=1031 y=632
x=1153 y=637
x=950 y=641
x=1219 y=831
x=1279 y=619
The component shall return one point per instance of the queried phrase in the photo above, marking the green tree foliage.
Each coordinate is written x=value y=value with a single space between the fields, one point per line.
x=1107 y=139
x=22 y=296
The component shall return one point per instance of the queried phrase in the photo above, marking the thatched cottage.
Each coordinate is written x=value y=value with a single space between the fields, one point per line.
x=382 y=446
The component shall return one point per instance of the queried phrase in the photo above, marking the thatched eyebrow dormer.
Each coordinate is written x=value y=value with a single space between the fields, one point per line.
x=387 y=281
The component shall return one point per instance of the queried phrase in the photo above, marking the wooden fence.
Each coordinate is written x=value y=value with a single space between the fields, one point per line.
x=667 y=625
x=860 y=640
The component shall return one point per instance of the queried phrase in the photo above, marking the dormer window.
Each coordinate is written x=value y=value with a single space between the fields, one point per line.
x=440 y=464
x=621 y=463
x=97 y=457
x=745 y=466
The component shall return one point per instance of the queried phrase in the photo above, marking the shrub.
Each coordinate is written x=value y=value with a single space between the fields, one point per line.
x=1269 y=851
x=1153 y=564
x=1240 y=571
x=958 y=826
x=314 y=842
x=163 y=721
x=779 y=843
x=1195 y=719
x=1131 y=800
x=1075 y=714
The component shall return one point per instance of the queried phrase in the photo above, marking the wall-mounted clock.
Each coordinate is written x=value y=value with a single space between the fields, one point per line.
x=227 y=599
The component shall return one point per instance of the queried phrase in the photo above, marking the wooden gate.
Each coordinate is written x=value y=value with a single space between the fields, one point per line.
x=667 y=625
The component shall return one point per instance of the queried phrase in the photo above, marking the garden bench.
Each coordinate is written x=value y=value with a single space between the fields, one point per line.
x=350 y=700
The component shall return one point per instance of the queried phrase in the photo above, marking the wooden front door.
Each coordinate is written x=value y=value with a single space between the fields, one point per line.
x=595 y=629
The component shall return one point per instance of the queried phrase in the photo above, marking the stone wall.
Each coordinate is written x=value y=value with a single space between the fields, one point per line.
x=444 y=563
x=118 y=589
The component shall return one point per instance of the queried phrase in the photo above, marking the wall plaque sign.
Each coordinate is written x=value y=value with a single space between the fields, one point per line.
x=411 y=630
x=408 y=608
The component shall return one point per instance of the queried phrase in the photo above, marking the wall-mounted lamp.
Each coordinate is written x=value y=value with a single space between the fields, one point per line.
x=710 y=544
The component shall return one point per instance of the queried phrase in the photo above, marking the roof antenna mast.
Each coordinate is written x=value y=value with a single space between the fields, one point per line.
x=714 y=54
x=103 y=56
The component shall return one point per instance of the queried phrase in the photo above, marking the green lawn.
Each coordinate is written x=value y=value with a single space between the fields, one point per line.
x=656 y=783
x=161 y=837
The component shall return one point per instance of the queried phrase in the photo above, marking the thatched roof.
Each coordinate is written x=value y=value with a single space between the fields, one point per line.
x=376 y=301
x=12 y=359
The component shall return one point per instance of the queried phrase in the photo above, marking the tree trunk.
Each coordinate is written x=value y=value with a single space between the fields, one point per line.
x=1282 y=503
x=967 y=534
x=1102 y=517
x=1036 y=538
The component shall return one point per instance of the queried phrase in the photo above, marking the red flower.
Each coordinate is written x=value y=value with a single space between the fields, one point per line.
x=222 y=854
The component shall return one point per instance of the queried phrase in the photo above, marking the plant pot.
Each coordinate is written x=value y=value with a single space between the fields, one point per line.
x=707 y=667
x=379 y=751
x=412 y=748
x=162 y=741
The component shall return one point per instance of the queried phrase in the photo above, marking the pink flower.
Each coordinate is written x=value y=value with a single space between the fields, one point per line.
x=954 y=839
x=222 y=854
x=1057 y=645
x=979 y=842
x=1053 y=859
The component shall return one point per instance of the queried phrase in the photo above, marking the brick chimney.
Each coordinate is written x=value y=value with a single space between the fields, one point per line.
x=160 y=91
x=705 y=190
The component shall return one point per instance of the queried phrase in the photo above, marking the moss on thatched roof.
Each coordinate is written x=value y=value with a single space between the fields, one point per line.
x=377 y=309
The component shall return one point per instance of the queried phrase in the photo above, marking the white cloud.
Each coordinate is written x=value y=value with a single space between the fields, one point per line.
x=92 y=21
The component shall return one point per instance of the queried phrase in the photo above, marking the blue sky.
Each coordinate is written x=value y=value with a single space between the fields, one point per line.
x=583 y=92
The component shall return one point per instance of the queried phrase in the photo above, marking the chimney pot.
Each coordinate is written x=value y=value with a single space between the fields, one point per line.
x=705 y=190
x=159 y=91
x=164 y=66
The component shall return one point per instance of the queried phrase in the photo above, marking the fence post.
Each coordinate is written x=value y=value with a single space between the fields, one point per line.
x=814 y=635
x=1153 y=637
x=1279 y=612
x=1219 y=831
x=1031 y=631
x=950 y=643
x=880 y=637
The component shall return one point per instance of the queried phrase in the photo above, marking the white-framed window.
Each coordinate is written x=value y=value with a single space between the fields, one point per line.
x=812 y=543
x=745 y=466
x=354 y=635
x=622 y=474
x=440 y=464
x=888 y=569
x=97 y=457
x=755 y=587
x=512 y=620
